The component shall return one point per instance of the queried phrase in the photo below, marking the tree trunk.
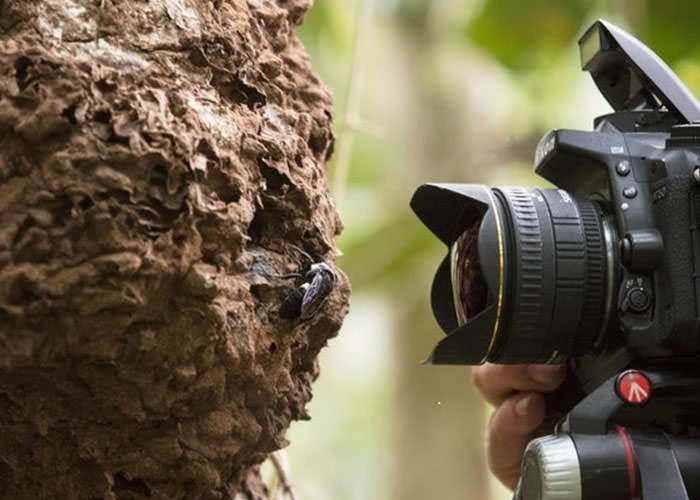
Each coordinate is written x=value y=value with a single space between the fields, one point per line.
x=162 y=165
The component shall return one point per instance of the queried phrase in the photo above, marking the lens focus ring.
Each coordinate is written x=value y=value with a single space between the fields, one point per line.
x=530 y=273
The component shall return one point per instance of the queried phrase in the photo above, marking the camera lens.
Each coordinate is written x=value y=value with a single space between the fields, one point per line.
x=529 y=276
x=556 y=252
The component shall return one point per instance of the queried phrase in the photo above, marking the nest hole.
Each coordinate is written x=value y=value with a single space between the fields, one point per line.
x=69 y=114
x=256 y=291
x=124 y=485
x=105 y=86
x=224 y=186
x=257 y=225
x=204 y=147
x=86 y=203
x=22 y=64
x=240 y=93
x=277 y=182
x=102 y=115
x=158 y=175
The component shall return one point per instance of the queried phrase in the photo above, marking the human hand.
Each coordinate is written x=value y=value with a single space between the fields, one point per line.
x=516 y=392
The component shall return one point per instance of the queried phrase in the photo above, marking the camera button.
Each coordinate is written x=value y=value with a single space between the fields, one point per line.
x=629 y=192
x=639 y=300
x=623 y=168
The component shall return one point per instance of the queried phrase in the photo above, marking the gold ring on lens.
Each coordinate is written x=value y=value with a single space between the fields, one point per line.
x=501 y=273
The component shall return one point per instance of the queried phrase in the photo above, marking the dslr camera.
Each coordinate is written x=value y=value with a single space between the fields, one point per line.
x=601 y=273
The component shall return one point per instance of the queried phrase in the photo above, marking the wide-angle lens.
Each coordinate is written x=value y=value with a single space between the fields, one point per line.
x=529 y=276
x=548 y=291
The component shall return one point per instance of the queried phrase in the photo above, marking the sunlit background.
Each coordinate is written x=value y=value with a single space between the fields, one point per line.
x=434 y=90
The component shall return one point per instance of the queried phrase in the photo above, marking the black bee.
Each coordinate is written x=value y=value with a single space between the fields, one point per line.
x=291 y=305
x=306 y=299
x=322 y=283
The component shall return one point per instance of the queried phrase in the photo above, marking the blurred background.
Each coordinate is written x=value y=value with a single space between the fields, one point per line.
x=434 y=90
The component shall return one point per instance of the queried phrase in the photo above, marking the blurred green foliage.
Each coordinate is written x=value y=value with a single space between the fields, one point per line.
x=455 y=91
x=670 y=26
x=524 y=35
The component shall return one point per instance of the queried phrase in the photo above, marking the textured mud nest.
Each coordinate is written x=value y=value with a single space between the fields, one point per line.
x=160 y=163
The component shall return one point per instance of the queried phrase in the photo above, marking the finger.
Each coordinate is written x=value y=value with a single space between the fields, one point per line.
x=510 y=429
x=497 y=382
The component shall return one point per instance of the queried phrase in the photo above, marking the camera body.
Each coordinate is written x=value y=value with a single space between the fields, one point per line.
x=602 y=273
x=641 y=167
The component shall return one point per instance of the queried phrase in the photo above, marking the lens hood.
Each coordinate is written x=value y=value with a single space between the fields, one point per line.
x=447 y=209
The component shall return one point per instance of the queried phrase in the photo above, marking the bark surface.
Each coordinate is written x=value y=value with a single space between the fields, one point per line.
x=162 y=162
